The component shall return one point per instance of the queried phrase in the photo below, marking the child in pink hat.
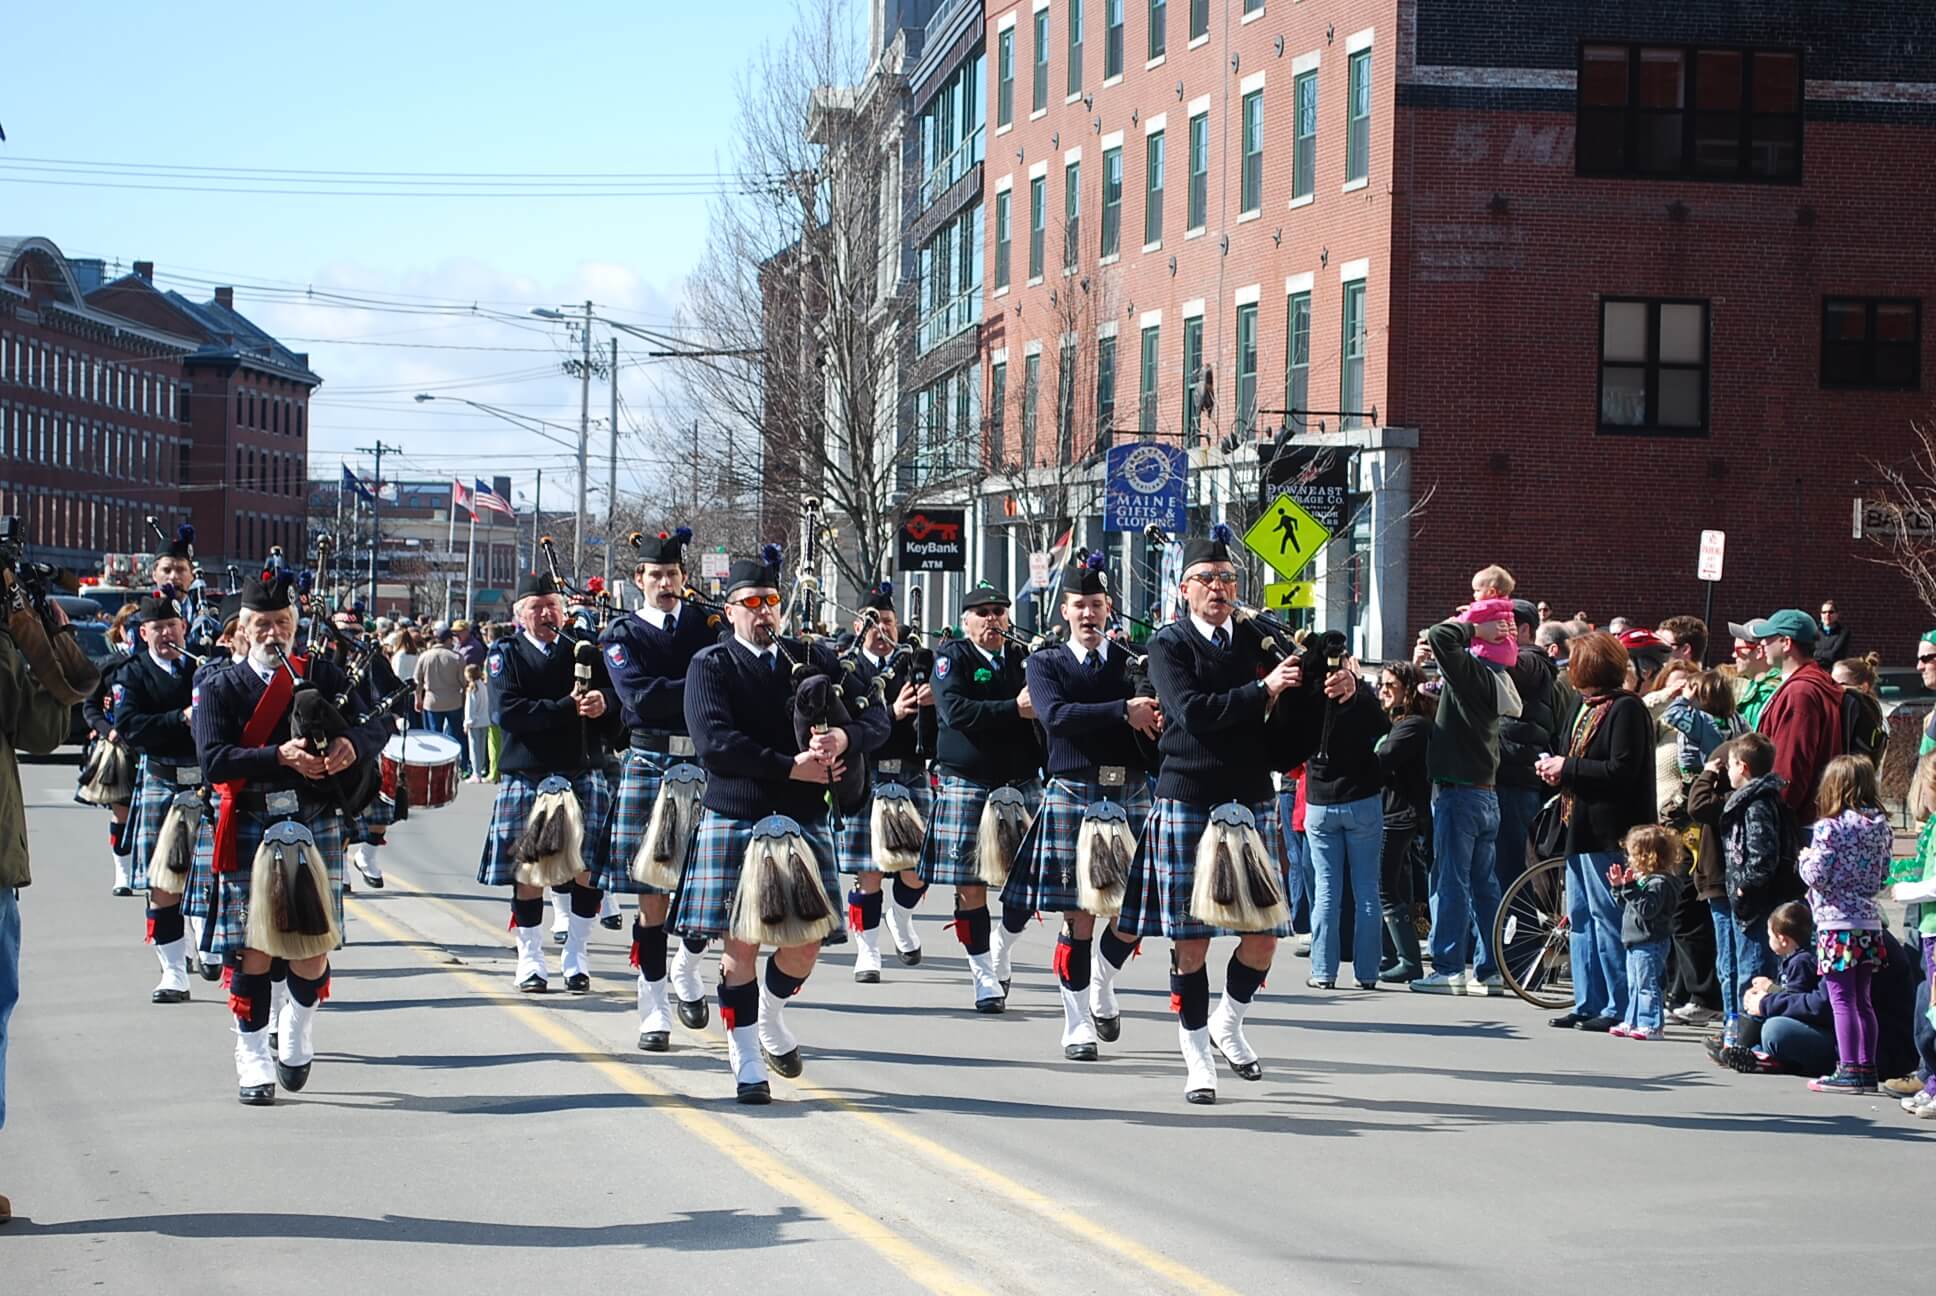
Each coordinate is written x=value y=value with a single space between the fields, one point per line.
x=1492 y=589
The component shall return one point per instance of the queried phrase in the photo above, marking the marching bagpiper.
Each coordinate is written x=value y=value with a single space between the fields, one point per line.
x=989 y=758
x=278 y=840
x=369 y=832
x=1203 y=868
x=1076 y=856
x=548 y=825
x=775 y=748
x=885 y=836
x=647 y=652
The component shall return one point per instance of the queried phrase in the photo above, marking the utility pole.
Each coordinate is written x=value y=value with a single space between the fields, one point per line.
x=695 y=468
x=376 y=522
x=584 y=441
x=611 y=493
x=537 y=518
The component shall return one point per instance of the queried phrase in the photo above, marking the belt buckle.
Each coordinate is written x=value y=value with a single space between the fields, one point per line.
x=678 y=745
x=1111 y=775
x=887 y=766
x=284 y=802
x=188 y=775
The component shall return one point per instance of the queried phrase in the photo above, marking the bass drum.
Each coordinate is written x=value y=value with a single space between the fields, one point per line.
x=427 y=762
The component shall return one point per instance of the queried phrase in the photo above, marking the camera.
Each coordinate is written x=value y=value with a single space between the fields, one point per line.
x=37 y=579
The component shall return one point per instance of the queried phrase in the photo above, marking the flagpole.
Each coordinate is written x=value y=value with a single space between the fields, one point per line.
x=329 y=577
x=470 y=561
x=450 y=543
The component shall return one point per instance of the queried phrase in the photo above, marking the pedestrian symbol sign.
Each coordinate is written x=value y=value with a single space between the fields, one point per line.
x=1287 y=537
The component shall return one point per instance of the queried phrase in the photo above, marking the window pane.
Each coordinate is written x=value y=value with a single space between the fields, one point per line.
x=1199 y=172
x=1297 y=354
x=1192 y=370
x=1199 y=18
x=1005 y=66
x=1112 y=44
x=1304 y=161
x=1717 y=80
x=1039 y=82
x=1682 y=338
x=1623 y=397
x=1844 y=364
x=1898 y=364
x=1357 y=144
x=1251 y=186
x=1625 y=331
x=1075 y=47
x=1775 y=152
x=1603 y=76
x=1658 y=142
x=1246 y=368
x=1777 y=83
x=1895 y=322
x=1680 y=398
x=1661 y=79
x=1847 y=321
x=1153 y=188
x=1159 y=21
x=1112 y=201
x=1717 y=143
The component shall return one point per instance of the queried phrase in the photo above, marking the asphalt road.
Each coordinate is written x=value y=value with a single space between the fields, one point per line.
x=458 y=1136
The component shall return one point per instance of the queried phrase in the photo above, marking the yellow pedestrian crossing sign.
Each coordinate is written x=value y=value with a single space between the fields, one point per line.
x=1287 y=537
x=1284 y=596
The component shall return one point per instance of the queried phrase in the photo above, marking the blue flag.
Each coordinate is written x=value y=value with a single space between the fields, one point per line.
x=352 y=483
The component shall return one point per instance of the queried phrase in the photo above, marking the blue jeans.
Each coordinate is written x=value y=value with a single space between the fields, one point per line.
x=451 y=725
x=1341 y=838
x=1465 y=894
x=1517 y=806
x=1593 y=916
x=1739 y=956
x=1300 y=885
x=1798 y=1046
x=1646 y=966
x=9 y=978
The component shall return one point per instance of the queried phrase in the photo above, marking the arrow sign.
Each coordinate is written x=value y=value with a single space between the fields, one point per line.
x=1287 y=537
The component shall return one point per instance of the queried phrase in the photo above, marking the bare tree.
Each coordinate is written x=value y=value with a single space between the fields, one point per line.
x=1901 y=523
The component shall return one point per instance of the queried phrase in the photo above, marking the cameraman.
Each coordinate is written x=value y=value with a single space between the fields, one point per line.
x=31 y=720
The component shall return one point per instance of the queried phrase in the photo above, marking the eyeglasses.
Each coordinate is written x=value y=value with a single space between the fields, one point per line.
x=1744 y=650
x=988 y=610
x=754 y=602
x=1213 y=578
x=1923 y=659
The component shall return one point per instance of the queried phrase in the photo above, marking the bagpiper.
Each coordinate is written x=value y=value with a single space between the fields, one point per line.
x=647 y=652
x=776 y=724
x=370 y=830
x=988 y=756
x=884 y=838
x=267 y=732
x=549 y=821
x=1076 y=857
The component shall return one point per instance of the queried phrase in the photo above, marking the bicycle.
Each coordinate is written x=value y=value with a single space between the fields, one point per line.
x=1531 y=934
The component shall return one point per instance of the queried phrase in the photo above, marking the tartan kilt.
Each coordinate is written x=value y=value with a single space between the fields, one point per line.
x=705 y=903
x=199 y=900
x=948 y=853
x=152 y=797
x=228 y=926
x=1157 y=901
x=513 y=808
x=854 y=846
x=1044 y=878
x=638 y=791
x=378 y=814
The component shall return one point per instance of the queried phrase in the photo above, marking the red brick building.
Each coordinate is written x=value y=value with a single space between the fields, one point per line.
x=1581 y=280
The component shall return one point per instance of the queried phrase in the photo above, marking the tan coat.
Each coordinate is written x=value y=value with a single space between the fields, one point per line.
x=31 y=720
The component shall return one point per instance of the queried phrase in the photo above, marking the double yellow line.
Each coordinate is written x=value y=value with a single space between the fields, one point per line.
x=777 y=1173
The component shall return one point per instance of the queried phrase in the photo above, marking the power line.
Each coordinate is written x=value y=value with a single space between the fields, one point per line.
x=325 y=172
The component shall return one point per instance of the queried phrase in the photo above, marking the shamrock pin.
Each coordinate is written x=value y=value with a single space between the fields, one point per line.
x=983 y=675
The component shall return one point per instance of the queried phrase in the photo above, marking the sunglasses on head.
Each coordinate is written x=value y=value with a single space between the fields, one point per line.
x=754 y=602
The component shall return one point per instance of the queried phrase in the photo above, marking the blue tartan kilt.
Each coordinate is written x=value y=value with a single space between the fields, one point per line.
x=854 y=847
x=638 y=790
x=948 y=853
x=1157 y=902
x=1044 y=877
x=378 y=814
x=228 y=926
x=199 y=901
x=512 y=809
x=152 y=797
x=705 y=903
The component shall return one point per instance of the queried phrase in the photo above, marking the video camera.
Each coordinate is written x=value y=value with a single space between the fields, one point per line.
x=37 y=580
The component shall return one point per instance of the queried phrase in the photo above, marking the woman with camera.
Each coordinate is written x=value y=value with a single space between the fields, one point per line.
x=1344 y=824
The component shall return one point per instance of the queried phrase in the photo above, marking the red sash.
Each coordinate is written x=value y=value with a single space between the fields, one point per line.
x=269 y=709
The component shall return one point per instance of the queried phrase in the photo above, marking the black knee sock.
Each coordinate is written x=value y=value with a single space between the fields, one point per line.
x=527 y=913
x=907 y=896
x=693 y=944
x=585 y=901
x=1190 y=998
x=249 y=999
x=780 y=983
x=165 y=924
x=1015 y=919
x=649 y=950
x=739 y=1005
x=309 y=993
x=1115 y=949
x=971 y=926
x=115 y=832
x=863 y=909
x=1072 y=962
x=1241 y=981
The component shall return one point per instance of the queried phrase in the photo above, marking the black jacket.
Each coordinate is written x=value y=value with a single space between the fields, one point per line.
x=543 y=732
x=983 y=734
x=1345 y=767
x=1833 y=646
x=648 y=667
x=1535 y=732
x=1762 y=842
x=1408 y=786
x=1085 y=713
x=911 y=739
x=1613 y=780
x=1218 y=742
x=148 y=706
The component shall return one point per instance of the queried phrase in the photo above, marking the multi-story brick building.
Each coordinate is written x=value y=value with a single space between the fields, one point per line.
x=1562 y=285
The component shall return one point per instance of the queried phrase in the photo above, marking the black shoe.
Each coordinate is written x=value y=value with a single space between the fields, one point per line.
x=655 y=1041
x=257 y=1095
x=908 y=957
x=785 y=1065
x=1108 y=1029
x=754 y=1095
x=169 y=996
x=694 y=1013
x=1079 y=1052
x=1736 y=1057
x=1597 y=1025
x=558 y=938
x=1251 y=1070
x=1400 y=974
x=868 y=977
x=1366 y=985
x=1201 y=1097
x=293 y=1078
x=124 y=891
x=1565 y=1021
x=612 y=922
x=211 y=971
x=578 y=983
x=991 y=1005
x=534 y=984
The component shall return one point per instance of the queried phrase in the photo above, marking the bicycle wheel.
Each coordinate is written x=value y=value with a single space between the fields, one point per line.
x=1531 y=935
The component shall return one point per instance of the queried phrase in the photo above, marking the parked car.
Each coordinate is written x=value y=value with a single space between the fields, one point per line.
x=92 y=634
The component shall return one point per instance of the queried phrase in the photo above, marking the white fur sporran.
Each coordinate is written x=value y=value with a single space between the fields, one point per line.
x=550 y=850
x=174 y=855
x=780 y=900
x=1105 y=845
x=108 y=777
x=1237 y=885
x=661 y=858
x=896 y=830
x=292 y=911
x=1004 y=822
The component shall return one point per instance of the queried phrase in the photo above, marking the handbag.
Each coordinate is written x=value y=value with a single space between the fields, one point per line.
x=1549 y=830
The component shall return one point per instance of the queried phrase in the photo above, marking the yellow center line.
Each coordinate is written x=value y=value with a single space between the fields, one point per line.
x=1039 y=1205
x=922 y=1268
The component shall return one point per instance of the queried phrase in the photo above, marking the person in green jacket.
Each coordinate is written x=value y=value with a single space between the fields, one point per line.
x=1754 y=682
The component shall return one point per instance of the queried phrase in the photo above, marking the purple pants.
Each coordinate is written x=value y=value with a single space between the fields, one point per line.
x=1855 y=1019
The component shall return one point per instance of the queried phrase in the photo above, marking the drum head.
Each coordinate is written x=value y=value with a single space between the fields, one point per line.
x=422 y=747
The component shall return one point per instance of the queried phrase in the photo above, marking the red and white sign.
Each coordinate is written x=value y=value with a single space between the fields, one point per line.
x=1714 y=545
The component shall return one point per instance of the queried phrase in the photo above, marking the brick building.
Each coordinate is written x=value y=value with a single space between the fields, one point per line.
x=1569 y=358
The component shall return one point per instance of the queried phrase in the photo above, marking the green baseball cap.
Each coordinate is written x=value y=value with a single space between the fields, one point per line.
x=1789 y=623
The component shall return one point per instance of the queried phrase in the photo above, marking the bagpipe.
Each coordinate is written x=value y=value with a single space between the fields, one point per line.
x=43 y=636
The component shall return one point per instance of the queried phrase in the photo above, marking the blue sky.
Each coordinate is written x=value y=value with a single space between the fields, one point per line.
x=482 y=87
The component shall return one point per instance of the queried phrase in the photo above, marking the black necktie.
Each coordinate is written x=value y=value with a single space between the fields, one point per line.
x=1221 y=638
x=1095 y=662
x=774 y=658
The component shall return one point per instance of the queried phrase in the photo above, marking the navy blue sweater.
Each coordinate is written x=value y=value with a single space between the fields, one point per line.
x=1800 y=994
x=225 y=700
x=1085 y=712
x=148 y=706
x=648 y=667
x=1218 y=744
x=911 y=738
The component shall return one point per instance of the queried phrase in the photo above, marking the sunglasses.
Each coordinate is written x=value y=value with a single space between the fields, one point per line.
x=754 y=602
x=1923 y=659
x=1743 y=650
x=988 y=610
x=1214 y=578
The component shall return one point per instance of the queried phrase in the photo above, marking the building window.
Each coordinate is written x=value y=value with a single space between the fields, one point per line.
x=1065 y=402
x=1304 y=149
x=1246 y=368
x=1159 y=22
x=1250 y=182
x=1872 y=342
x=1700 y=114
x=1031 y=388
x=1071 y=216
x=997 y=400
x=1357 y=140
x=1297 y=355
x=1105 y=387
x=1038 y=199
x=1112 y=39
x=1146 y=386
x=1005 y=77
x=1192 y=374
x=1199 y=205
x=1075 y=47
x=1351 y=379
x=1253 y=6
x=1153 y=187
x=1199 y=18
x=1039 y=82
x=1002 y=238
x=950 y=132
x=1112 y=201
x=1653 y=365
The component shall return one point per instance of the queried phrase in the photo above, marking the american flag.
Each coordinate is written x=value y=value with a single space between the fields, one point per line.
x=483 y=497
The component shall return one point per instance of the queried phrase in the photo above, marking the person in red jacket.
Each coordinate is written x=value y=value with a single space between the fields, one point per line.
x=1804 y=717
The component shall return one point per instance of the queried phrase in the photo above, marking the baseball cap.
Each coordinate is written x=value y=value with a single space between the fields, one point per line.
x=1791 y=623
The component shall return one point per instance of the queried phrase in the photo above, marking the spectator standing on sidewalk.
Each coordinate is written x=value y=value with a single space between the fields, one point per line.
x=1804 y=717
x=1832 y=644
x=1533 y=733
x=440 y=693
x=1754 y=681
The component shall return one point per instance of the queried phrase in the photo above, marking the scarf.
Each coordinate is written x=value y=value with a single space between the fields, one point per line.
x=1593 y=709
